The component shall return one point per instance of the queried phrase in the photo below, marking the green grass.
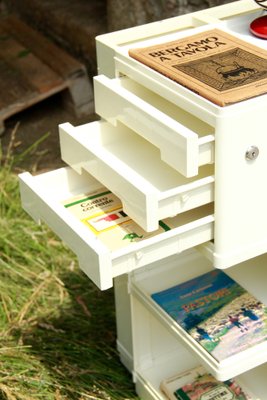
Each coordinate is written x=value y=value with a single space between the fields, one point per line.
x=57 y=330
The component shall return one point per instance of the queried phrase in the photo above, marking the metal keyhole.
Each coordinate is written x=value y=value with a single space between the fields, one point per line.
x=252 y=153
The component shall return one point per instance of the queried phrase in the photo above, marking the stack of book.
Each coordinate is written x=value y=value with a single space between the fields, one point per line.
x=221 y=316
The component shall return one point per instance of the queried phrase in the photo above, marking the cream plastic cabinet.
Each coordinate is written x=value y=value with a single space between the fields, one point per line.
x=166 y=153
x=223 y=134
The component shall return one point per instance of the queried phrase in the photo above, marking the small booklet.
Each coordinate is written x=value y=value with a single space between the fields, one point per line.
x=217 y=312
x=213 y=64
x=101 y=211
x=198 y=384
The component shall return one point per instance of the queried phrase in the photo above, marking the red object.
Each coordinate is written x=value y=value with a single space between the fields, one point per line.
x=108 y=218
x=258 y=27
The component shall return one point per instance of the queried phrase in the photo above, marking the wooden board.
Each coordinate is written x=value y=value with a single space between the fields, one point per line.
x=32 y=69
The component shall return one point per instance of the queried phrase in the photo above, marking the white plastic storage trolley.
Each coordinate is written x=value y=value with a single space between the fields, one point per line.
x=166 y=153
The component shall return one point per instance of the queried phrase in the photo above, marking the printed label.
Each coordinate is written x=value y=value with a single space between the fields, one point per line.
x=101 y=211
x=218 y=393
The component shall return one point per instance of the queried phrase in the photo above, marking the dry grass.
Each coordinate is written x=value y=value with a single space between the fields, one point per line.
x=57 y=330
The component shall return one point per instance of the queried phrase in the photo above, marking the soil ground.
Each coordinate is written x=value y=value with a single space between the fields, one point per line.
x=32 y=124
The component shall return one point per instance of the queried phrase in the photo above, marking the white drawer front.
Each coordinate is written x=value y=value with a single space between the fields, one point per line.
x=185 y=142
x=131 y=168
x=43 y=196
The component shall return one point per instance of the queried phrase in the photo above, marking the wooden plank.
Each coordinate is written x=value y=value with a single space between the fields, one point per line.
x=25 y=79
x=16 y=94
x=60 y=62
x=12 y=89
x=31 y=69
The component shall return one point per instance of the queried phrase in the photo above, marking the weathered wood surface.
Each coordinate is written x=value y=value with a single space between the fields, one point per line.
x=32 y=69
x=72 y=24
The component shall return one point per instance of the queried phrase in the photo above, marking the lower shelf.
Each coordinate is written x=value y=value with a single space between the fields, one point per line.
x=147 y=381
x=162 y=349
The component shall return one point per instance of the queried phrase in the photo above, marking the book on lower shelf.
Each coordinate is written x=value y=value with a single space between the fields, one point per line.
x=214 y=64
x=217 y=312
x=198 y=384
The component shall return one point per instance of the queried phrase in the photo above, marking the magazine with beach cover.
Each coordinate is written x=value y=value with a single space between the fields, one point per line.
x=217 y=312
x=102 y=213
x=198 y=384
x=214 y=64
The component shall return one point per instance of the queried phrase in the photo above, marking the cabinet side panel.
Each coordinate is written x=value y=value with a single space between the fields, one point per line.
x=240 y=194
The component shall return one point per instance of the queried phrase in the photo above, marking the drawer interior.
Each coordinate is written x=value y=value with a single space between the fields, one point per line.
x=184 y=140
x=185 y=118
x=126 y=152
x=132 y=169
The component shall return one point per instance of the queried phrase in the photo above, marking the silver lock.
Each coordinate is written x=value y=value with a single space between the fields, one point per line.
x=252 y=153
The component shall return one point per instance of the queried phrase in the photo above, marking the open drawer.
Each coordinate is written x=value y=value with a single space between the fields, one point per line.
x=43 y=197
x=185 y=142
x=131 y=168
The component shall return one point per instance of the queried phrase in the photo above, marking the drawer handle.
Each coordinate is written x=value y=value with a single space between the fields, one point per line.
x=138 y=255
x=184 y=198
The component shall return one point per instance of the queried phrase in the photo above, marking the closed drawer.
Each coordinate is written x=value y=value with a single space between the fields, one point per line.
x=45 y=197
x=131 y=168
x=185 y=142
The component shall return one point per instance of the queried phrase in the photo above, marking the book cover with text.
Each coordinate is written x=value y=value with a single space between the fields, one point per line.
x=102 y=213
x=217 y=312
x=198 y=384
x=213 y=63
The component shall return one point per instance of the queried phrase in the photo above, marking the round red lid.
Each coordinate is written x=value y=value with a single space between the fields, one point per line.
x=258 y=27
